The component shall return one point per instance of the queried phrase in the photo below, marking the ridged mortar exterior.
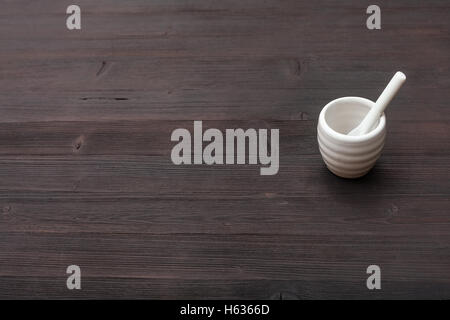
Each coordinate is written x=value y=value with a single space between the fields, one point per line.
x=349 y=160
x=347 y=157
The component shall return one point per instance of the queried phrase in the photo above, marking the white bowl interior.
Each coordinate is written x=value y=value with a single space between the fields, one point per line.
x=342 y=116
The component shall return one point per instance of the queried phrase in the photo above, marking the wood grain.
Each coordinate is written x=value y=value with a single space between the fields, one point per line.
x=86 y=176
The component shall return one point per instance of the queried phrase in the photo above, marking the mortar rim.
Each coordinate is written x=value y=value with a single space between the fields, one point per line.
x=343 y=137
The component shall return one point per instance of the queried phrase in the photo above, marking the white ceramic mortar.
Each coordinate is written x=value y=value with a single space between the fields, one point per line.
x=349 y=156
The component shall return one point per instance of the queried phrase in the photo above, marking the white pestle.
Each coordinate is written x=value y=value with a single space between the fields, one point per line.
x=382 y=102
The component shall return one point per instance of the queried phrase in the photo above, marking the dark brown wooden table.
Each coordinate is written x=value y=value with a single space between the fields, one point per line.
x=86 y=176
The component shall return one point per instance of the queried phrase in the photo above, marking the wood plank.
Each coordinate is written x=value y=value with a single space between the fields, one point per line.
x=297 y=176
x=243 y=256
x=277 y=214
x=79 y=139
x=123 y=288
